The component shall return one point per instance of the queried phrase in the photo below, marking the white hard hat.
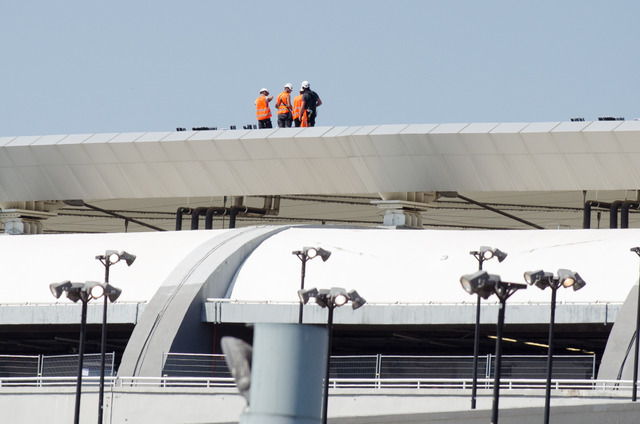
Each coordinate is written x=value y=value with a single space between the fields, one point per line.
x=305 y=84
x=262 y=90
x=288 y=85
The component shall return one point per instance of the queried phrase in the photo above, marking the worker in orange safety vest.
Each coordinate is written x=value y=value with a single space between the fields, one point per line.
x=297 y=106
x=263 y=112
x=285 y=117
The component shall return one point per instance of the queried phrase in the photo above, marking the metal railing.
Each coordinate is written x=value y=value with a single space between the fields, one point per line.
x=54 y=365
x=609 y=386
x=395 y=366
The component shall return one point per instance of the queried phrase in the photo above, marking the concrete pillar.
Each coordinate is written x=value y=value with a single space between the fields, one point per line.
x=287 y=371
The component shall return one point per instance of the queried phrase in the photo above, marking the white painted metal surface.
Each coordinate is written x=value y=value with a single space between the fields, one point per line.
x=417 y=266
x=323 y=160
x=28 y=264
x=385 y=266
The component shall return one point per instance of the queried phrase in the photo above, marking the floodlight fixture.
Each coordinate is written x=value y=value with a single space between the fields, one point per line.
x=566 y=278
x=357 y=301
x=324 y=254
x=481 y=283
x=539 y=278
x=323 y=299
x=95 y=289
x=579 y=282
x=338 y=296
x=486 y=252
x=311 y=252
x=307 y=294
x=58 y=288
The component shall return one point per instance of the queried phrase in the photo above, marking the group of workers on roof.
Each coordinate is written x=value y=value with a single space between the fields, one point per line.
x=302 y=112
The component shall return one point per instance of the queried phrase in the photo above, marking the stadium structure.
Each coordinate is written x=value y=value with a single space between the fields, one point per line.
x=214 y=219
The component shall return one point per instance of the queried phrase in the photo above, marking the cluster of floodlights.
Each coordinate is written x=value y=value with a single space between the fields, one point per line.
x=331 y=298
x=483 y=284
x=565 y=278
x=306 y=254
x=86 y=292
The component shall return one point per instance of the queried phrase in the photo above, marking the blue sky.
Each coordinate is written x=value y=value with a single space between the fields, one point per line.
x=79 y=66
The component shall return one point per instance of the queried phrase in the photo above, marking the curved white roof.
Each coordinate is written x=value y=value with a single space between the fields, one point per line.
x=28 y=264
x=333 y=160
x=389 y=266
x=385 y=266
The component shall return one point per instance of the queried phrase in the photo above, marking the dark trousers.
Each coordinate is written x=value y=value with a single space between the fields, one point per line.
x=297 y=122
x=265 y=123
x=284 y=120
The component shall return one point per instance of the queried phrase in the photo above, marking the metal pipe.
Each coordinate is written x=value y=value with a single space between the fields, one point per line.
x=613 y=213
x=195 y=216
x=179 y=213
x=624 y=212
x=208 y=219
x=586 y=219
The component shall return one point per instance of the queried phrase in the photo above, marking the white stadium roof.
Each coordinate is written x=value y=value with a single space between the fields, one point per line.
x=323 y=160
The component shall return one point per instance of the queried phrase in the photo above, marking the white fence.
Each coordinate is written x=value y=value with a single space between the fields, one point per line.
x=335 y=383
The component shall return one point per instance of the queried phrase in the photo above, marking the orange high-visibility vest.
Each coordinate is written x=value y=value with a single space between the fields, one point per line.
x=303 y=121
x=297 y=105
x=263 y=111
x=284 y=103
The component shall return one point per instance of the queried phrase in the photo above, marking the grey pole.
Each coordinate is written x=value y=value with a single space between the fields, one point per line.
x=552 y=320
x=476 y=345
x=634 y=395
x=325 y=394
x=84 y=298
x=303 y=271
x=287 y=369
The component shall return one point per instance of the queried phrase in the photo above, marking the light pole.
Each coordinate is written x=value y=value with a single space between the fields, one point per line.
x=83 y=292
x=485 y=284
x=542 y=280
x=634 y=392
x=112 y=293
x=483 y=254
x=304 y=255
x=330 y=299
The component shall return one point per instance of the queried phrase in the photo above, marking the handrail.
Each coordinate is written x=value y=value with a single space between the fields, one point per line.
x=335 y=383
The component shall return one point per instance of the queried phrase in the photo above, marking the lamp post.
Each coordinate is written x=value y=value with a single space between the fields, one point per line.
x=330 y=299
x=542 y=280
x=304 y=255
x=84 y=292
x=634 y=392
x=483 y=254
x=484 y=285
x=112 y=293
